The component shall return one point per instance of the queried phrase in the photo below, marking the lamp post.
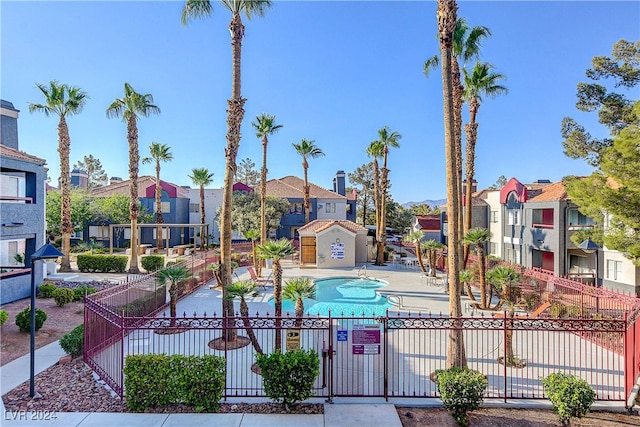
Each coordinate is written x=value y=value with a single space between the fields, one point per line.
x=589 y=247
x=47 y=251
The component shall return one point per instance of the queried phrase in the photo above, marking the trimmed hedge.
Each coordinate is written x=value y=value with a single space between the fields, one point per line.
x=461 y=390
x=73 y=342
x=3 y=317
x=81 y=291
x=152 y=263
x=63 y=296
x=102 y=263
x=289 y=377
x=46 y=290
x=23 y=319
x=153 y=380
x=570 y=396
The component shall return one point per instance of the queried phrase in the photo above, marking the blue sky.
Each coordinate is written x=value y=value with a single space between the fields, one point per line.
x=334 y=72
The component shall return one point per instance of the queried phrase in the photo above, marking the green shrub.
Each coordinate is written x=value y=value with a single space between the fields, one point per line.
x=46 y=290
x=81 y=291
x=289 y=377
x=557 y=310
x=3 y=317
x=80 y=247
x=570 y=395
x=152 y=262
x=575 y=312
x=532 y=301
x=73 y=342
x=102 y=263
x=153 y=380
x=23 y=319
x=461 y=390
x=63 y=296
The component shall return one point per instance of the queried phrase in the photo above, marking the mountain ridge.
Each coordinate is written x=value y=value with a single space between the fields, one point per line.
x=432 y=203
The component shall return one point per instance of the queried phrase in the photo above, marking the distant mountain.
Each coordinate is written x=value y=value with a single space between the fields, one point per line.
x=432 y=203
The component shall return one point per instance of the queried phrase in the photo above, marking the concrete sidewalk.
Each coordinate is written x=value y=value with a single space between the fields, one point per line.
x=335 y=415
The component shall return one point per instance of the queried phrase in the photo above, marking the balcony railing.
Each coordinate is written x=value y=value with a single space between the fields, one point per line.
x=16 y=199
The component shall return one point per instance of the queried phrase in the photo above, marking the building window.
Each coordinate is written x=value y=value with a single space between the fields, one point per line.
x=578 y=220
x=100 y=232
x=166 y=233
x=515 y=217
x=194 y=207
x=493 y=248
x=77 y=235
x=165 y=206
x=512 y=255
x=494 y=216
x=330 y=207
x=614 y=269
x=12 y=187
x=8 y=251
x=296 y=208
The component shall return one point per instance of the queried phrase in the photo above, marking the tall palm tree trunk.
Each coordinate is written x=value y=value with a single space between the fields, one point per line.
x=482 y=271
x=235 y=114
x=458 y=91
x=65 y=191
x=307 y=205
x=471 y=131
x=263 y=205
x=134 y=203
x=446 y=25
x=244 y=312
x=277 y=299
x=173 y=302
x=202 y=217
x=159 y=218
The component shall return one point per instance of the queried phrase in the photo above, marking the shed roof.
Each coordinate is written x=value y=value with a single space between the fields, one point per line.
x=20 y=155
x=319 y=225
x=290 y=187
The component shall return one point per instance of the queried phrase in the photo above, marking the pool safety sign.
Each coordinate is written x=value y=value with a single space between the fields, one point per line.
x=366 y=339
x=343 y=335
x=293 y=339
x=337 y=250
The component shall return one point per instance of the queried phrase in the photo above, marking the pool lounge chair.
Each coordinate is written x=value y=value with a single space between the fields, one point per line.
x=259 y=281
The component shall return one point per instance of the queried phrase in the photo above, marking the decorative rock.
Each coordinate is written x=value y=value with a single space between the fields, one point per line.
x=65 y=359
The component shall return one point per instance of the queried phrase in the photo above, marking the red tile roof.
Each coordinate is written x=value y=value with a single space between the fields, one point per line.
x=20 y=155
x=551 y=192
x=290 y=187
x=429 y=222
x=144 y=182
x=318 y=225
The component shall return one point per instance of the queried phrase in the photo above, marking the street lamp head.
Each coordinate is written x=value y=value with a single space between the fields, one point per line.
x=588 y=246
x=47 y=251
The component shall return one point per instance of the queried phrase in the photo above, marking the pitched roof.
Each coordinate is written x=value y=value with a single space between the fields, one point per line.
x=144 y=183
x=429 y=222
x=290 y=187
x=20 y=155
x=551 y=192
x=318 y=225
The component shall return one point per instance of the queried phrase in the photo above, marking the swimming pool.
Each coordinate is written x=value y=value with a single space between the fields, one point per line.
x=344 y=296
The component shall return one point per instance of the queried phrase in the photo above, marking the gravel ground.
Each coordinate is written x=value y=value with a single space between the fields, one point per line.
x=72 y=387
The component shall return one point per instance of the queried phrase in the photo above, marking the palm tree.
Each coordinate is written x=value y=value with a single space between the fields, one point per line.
x=446 y=17
x=235 y=114
x=201 y=177
x=276 y=250
x=376 y=150
x=503 y=277
x=296 y=290
x=130 y=107
x=431 y=247
x=306 y=149
x=243 y=289
x=479 y=237
x=63 y=101
x=465 y=47
x=173 y=275
x=466 y=277
x=416 y=238
x=388 y=139
x=159 y=153
x=480 y=81
x=265 y=125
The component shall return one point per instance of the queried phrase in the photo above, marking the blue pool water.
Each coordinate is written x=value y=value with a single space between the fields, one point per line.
x=344 y=296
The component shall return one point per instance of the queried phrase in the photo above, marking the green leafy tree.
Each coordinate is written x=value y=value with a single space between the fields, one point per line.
x=265 y=126
x=363 y=176
x=611 y=192
x=397 y=217
x=130 y=108
x=114 y=209
x=500 y=182
x=81 y=210
x=158 y=153
x=235 y=113
x=247 y=173
x=424 y=209
x=173 y=275
x=481 y=81
x=246 y=211
x=63 y=101
x=276 y=250
x=242 y=290
x=201 y=177
x=307 y=149
x=96 y=176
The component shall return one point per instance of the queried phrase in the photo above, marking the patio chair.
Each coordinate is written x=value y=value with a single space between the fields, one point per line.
x=533 y=315
x=259 y=281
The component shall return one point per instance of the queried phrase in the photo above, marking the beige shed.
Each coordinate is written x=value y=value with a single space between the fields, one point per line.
x=332 y=243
